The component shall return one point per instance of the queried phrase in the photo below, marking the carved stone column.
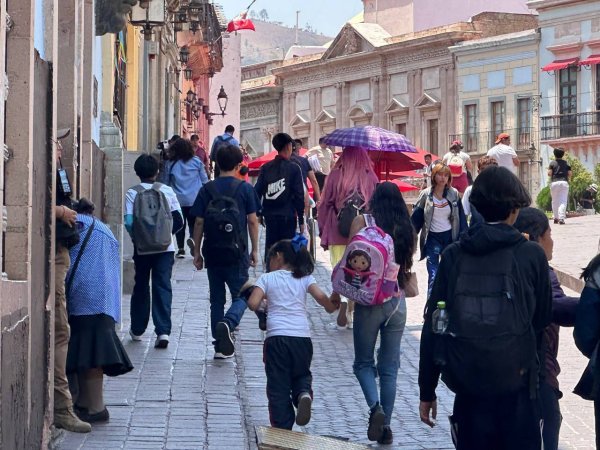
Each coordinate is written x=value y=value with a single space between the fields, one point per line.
x=377 y=107
x=339 y=106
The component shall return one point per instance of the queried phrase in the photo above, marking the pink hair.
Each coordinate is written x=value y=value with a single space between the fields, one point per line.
x=357 y=175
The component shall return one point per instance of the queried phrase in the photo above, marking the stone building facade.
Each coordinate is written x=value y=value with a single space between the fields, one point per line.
x=404 y=83
x=498 y=92
x=570 y=78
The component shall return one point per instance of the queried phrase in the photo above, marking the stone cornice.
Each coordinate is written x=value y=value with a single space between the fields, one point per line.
x=540 y=5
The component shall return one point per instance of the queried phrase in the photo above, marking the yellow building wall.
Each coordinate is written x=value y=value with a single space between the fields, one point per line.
x=108 y=72
x=134 y=47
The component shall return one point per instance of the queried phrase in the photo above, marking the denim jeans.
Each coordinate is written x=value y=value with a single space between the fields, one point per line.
x=386 y=320
x=159 y=266
x=234 y=277
x=434 y=246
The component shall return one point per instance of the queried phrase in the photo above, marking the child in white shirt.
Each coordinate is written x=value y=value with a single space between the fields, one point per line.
x=288 y=347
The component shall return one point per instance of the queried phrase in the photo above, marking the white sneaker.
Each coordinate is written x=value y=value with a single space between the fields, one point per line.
x=134 y=337
x=219 y=355
x=162 y=341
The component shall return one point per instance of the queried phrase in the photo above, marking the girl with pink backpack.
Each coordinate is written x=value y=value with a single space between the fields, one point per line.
x=374 y=271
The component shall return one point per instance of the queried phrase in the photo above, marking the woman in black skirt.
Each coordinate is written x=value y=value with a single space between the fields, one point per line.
x=93 y=290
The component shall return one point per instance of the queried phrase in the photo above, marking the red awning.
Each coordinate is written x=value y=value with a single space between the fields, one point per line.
x=590 y=60
x=560 y=64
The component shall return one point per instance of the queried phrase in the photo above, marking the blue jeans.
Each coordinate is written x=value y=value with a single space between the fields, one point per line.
x=434 y=246
x=386 y=320
x=159 y=266
x=234 y=277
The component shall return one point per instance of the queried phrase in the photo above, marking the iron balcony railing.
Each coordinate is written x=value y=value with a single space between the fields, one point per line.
x=570 y=125
x=480 y=142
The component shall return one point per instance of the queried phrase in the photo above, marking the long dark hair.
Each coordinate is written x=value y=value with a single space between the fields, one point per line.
x=591 y=268
x=301 y=262
x=389 y=210
x=181 y=149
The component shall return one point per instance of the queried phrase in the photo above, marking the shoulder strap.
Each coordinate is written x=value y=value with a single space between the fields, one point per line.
x=78 y=258
x=156 y=186
x=238 y=186
x=212 y=190
x=369 y=220
x=138 y=188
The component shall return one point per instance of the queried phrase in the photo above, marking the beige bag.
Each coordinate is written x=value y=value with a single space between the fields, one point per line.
x=411 y=288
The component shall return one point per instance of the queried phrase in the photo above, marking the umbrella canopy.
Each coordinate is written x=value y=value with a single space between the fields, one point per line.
x=370 y=138
x=257 y=163
x=403 y=186
x=407 y=174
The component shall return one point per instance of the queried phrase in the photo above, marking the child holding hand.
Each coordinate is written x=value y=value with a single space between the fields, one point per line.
x=288 y=349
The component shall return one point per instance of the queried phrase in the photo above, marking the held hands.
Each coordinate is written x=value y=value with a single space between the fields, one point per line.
x=424 y=409
x=336 y=300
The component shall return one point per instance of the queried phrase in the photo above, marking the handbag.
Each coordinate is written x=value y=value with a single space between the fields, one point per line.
x=411 y=285
x=587 y=387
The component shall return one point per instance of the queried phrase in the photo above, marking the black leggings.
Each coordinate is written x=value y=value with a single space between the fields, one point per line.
x=189 y=219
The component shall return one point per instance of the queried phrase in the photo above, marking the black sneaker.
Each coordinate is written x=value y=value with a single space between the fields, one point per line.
x=561 y=222
x=555 y=220
x=180 y=253
x=387 y=437
x=376 y=420
x=83 y=414
x=224 y=339
x=191 y=245
x=304 y=409
x=262 y=320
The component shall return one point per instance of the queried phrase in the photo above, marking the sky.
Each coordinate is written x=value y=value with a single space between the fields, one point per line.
x=326 y=16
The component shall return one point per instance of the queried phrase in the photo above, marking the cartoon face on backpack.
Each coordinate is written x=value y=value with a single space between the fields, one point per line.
x=358 y=263
x=367 y=273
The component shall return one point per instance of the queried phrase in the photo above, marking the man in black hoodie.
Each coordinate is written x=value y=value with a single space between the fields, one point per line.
x=498 y=301
x=281 y=190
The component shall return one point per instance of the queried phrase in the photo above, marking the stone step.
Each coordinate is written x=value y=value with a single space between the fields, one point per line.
x=268 y=438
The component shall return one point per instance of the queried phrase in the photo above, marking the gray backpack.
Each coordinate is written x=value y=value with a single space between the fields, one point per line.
x=152 y=220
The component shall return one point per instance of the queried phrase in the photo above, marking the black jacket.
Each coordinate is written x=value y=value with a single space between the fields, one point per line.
x=481 y=240
x=288 y=178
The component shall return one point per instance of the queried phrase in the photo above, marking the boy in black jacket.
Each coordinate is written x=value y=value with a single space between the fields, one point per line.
x=281 y=190
x=489 y=354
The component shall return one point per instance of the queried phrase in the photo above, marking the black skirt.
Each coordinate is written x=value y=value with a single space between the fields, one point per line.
x=95 y=344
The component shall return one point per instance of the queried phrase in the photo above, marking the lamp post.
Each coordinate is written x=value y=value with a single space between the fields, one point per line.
x=184 y=55
x=190 y=96
x=222 y=100
x=188 y=73
x=149 y=14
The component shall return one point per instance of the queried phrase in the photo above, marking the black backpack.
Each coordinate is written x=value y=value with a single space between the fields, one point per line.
x=223 y=243
x=489 y=348
x=353 y=206
x=278 y=193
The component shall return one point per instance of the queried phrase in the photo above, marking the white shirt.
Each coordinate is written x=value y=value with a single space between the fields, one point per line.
x=466 y=204
x=504 y=155
x=286 y=300
x=440 y=221
x=171 y=198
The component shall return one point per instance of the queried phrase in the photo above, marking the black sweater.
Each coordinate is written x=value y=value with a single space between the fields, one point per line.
x=481 y=240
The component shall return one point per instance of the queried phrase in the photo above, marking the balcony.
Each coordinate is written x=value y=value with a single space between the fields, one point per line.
x=570 y=125
x=480 y=142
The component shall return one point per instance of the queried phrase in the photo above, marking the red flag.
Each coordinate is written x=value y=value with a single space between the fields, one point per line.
x=240 y=23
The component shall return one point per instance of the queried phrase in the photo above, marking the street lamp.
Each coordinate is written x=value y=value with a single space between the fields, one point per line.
x=222 y=100
x=190 y=96
x=188 y=73
x=149 y=14
x=194 y=26
x=184 y=55
x=194 y=9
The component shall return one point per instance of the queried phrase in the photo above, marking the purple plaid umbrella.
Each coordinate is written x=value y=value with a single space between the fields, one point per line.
x=370 y=138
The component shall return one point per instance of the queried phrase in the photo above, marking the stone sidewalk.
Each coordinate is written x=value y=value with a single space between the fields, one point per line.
x=180 y=398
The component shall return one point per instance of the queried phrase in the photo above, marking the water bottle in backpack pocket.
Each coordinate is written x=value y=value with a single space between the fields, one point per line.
x=367 y=273
x=223 y=243
x=152 y=220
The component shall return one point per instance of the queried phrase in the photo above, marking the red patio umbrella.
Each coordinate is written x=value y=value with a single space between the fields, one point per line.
x=403 y=186
x=407 y=174
x=257 y=163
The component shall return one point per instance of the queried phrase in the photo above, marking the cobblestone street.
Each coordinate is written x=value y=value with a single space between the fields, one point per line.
x=180 y=398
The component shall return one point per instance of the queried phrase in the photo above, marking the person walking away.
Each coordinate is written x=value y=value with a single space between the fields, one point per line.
x=67 y=236
x=221 y=142
x=152 y=216
x=94 y=306
x=307 y=171
x=200 y=152
x=587 y=338
x=484 y=321
x=439 y=217
x=504 y=154
x=427 y=171
x=560 y=174
x=186 y=176
x=471 y=212
x=288 y=349
x=533 y=223
x=346 y=194
x=325 y=161
x=387 y=211
x=226 y=203
x=459 y=163
x=164 y=158
x=280 y=189
x=244 y=170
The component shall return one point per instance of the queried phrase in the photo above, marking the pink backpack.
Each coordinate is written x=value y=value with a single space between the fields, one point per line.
x=367 y=273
